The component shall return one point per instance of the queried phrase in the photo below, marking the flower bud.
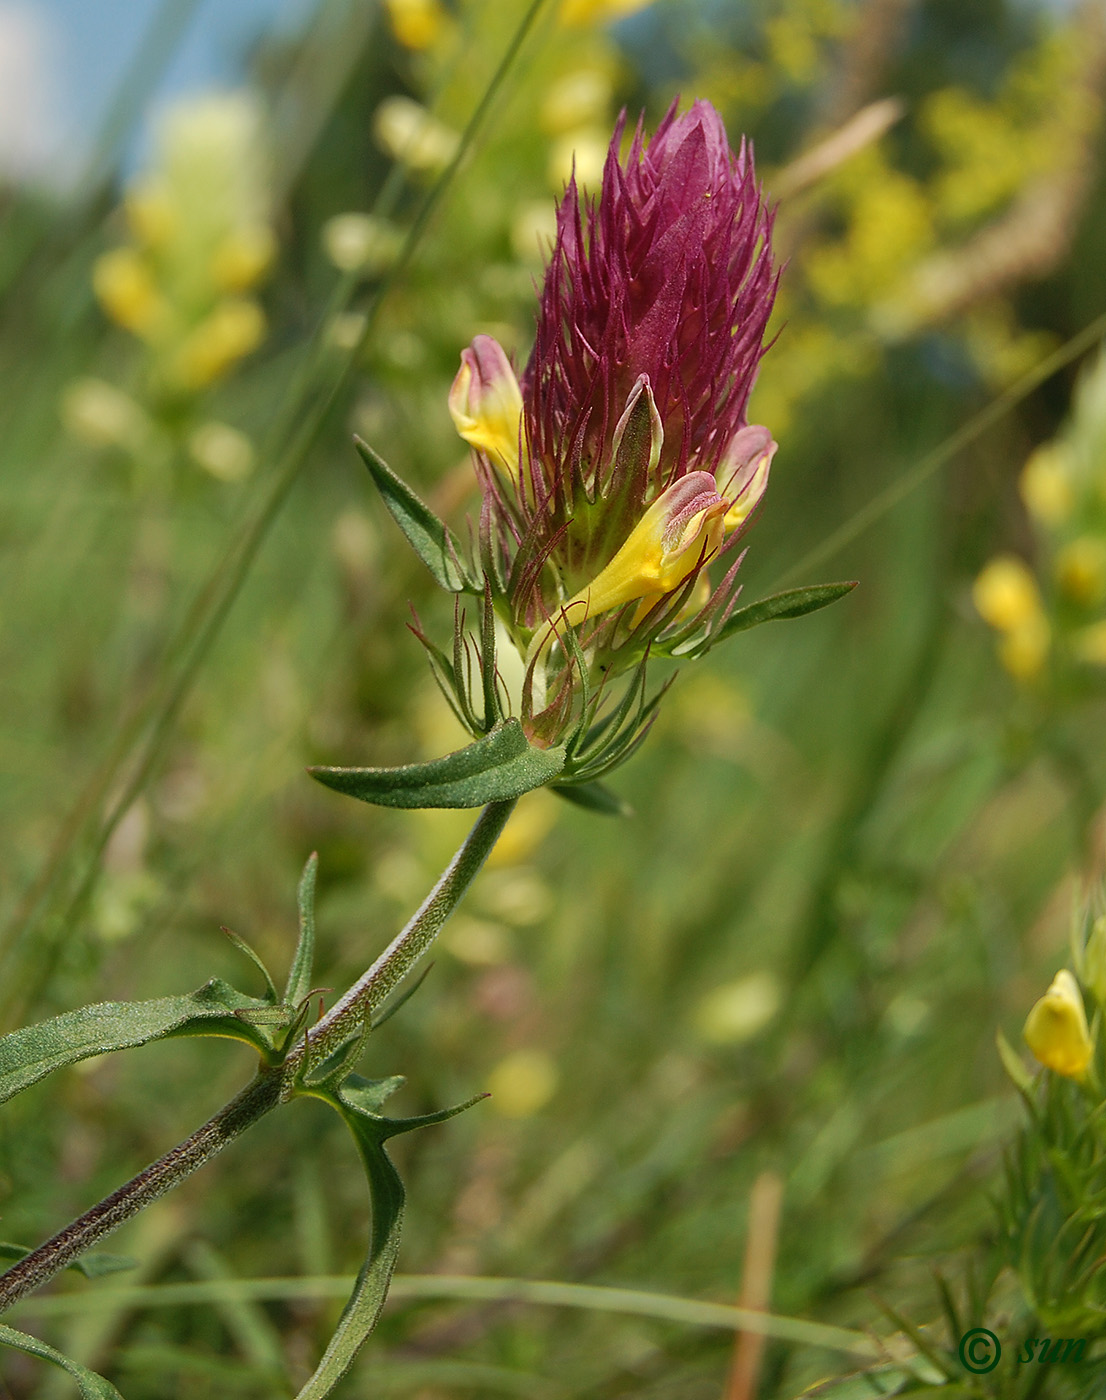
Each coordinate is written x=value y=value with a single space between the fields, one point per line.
x=1056 y=1028
x=486 y=404
x=742 y=473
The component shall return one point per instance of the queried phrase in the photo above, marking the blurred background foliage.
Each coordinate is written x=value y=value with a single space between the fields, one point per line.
x=858 y=838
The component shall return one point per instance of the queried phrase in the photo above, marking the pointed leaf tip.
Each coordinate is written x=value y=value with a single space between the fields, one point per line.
x=793 y=602
x=303 y=960
x=500 y=766
x=428 y=536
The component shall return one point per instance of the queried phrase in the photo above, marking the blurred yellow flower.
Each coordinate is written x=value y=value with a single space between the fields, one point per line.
x=1081 y=570
x=222 y=451
x=522 y=1083
x=737 y=1011
x=581 y=98
x=599 y=11
x=98 y=413
x=583 y=153
x=1024 y=648
x=407 y=132
x=360 y=243
x=416 y=24
x=1046 y=485
x=1006 y=594
x=243 y=257
x=232 y=330
x=1056 y=1028
x=126 y=289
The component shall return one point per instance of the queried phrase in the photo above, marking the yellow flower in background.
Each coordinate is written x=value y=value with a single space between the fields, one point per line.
x=522 y=1083
x=125 y=287
x=407 y=132
x=1046 y=485
x=199 y=221
x=233 y=329
x=1007 y=597
x=1024 y=649
x=417 y=24
x=1081 y=570
x=1056 y=1028
x=1006 y=594
x=599 y=11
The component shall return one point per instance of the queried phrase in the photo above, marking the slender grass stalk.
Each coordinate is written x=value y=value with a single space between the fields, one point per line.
x=270 y=1087
x=887 y=499
x=633 y=1302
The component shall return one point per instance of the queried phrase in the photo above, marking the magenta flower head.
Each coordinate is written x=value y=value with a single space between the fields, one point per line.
x=617 y=476
x=622 y=468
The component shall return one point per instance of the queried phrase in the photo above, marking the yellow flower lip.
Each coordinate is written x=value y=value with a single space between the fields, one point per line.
x=485 y=403
x=1056 y=1028
x=679 y=532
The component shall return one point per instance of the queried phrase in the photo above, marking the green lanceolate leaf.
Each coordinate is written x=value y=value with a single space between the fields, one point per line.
x=91 y=1386
x=428 y=536
x=29 y=1054
x=795 y=602
x=499 y=766
x=595 y=797
x=299 y=975
x=357 y=1102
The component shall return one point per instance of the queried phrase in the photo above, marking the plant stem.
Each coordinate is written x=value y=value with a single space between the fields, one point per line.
x=271 y=1086
x=34 y=1269
x=356 y=1006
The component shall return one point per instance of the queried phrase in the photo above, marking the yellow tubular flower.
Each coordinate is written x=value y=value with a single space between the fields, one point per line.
x=1056 y=1028
x=680 y=531
x=125 y=286
x=1006 y=594
x=485 y=403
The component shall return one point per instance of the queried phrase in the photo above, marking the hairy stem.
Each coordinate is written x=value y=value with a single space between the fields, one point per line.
x=272 y=1086
x=34 y=1269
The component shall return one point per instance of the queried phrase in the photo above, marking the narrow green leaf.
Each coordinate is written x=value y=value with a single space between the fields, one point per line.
x=91 y=1386
x=595 y=797
x=303 y=961
x=795 y=602
x=431 y=540
x=1014 y=1066
x=357 y=1102
x=29 y=1054
x=248 y=952
x=501 y=765
x=402 y=999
